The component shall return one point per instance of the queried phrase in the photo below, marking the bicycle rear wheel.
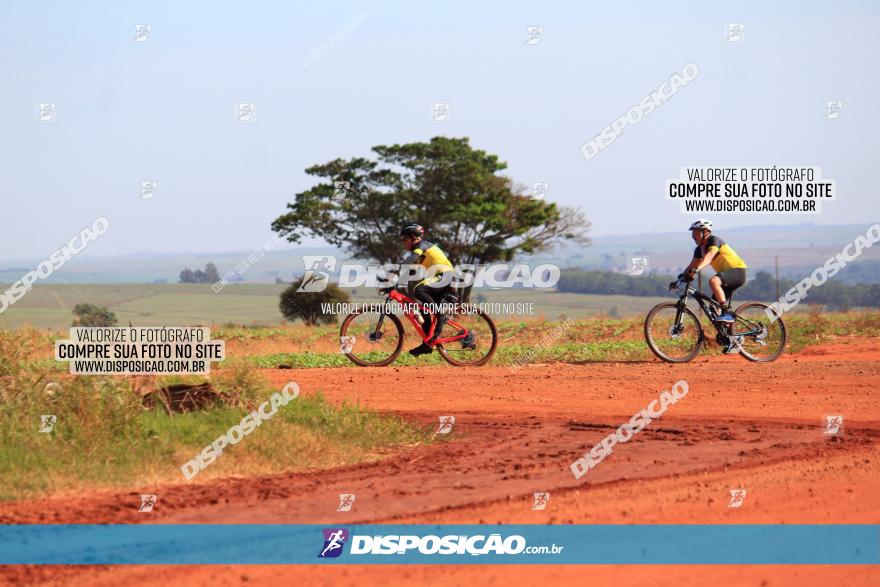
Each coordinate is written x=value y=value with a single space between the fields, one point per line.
x=376 y=339
x=673 y=336
x=763 y=339
x=479 y=346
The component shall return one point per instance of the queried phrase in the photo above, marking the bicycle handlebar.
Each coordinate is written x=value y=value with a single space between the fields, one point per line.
x=681 y=281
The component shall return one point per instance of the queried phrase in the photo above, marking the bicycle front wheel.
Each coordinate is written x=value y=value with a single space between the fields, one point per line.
x=371 y=339
x=674 y=335
x=763 y=339
x=479 y=344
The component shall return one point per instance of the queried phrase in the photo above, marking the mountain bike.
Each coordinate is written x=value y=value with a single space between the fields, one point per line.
x=373 y=337
x=674 y=333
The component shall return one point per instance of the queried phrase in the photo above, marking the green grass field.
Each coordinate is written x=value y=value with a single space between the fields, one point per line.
x=532 y=340
x=50 y=305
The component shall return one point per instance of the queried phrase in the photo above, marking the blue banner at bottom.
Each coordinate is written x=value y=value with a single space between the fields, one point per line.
x=163 y=544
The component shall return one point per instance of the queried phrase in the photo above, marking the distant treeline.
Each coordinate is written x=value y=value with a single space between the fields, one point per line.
x=760 y=286
x=209 y=275
x=867 y=271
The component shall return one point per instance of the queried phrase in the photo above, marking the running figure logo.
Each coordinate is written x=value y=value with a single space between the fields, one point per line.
x=334 y=540
x=737 y=497
x=47 y=422
x=541 y=500
x=346 y=501
x=535 y=33
x=317 y=274
x=141 y=32
x=147 y=503
x=341 y=190
x=446 y=423
x=638 y=266
x=735 y=32
x=246 y=112
x=346 y=344
x=440 y=112
x=833 y=424
x=47 y=112
x=832 y=109
x=148 y=188
x=539 y=189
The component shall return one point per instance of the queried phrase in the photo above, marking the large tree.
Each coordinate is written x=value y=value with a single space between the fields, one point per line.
x=450 y=188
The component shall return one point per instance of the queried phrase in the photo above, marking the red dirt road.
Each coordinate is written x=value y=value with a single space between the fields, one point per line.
x=742 y=425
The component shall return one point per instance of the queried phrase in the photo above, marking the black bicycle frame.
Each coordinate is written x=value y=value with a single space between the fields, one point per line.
x=705 y=302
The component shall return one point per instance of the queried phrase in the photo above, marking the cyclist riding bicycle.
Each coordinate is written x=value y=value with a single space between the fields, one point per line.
x=730 y=268
x=428 y=290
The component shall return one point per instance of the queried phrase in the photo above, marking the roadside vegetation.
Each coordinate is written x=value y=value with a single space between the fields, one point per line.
x=601 y=338
x=104 y=436
x=587 y=340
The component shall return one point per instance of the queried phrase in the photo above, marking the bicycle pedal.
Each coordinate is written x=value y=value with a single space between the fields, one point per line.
x=735 y=346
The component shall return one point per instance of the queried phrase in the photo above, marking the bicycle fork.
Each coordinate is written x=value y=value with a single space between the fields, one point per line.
x=678 y=325
x=376 y=333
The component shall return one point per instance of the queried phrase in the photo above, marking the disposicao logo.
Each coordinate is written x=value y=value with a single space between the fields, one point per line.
x=334 y=540
x=411 y=544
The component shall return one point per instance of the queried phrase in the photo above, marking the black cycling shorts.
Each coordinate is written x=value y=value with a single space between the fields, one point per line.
x=731 y=279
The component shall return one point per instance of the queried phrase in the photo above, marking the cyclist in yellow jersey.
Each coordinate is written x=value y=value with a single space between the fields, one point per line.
x=428 y=290
x=730 y=268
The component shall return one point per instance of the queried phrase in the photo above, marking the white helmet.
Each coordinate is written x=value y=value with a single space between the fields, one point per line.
x=701 y=224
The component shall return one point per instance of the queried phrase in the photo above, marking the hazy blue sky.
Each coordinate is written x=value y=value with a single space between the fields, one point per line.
x=163 y=109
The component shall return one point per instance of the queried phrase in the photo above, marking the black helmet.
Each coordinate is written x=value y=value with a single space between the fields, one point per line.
x=414 y=230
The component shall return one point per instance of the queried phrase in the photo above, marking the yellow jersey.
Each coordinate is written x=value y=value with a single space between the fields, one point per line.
x=432 y=258
x=725 y=258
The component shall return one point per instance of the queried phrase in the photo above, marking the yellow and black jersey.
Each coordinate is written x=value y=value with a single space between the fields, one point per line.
x=726 y=258
x=431 y=257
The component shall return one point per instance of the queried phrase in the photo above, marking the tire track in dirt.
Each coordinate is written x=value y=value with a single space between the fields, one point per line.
x=490 y=460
